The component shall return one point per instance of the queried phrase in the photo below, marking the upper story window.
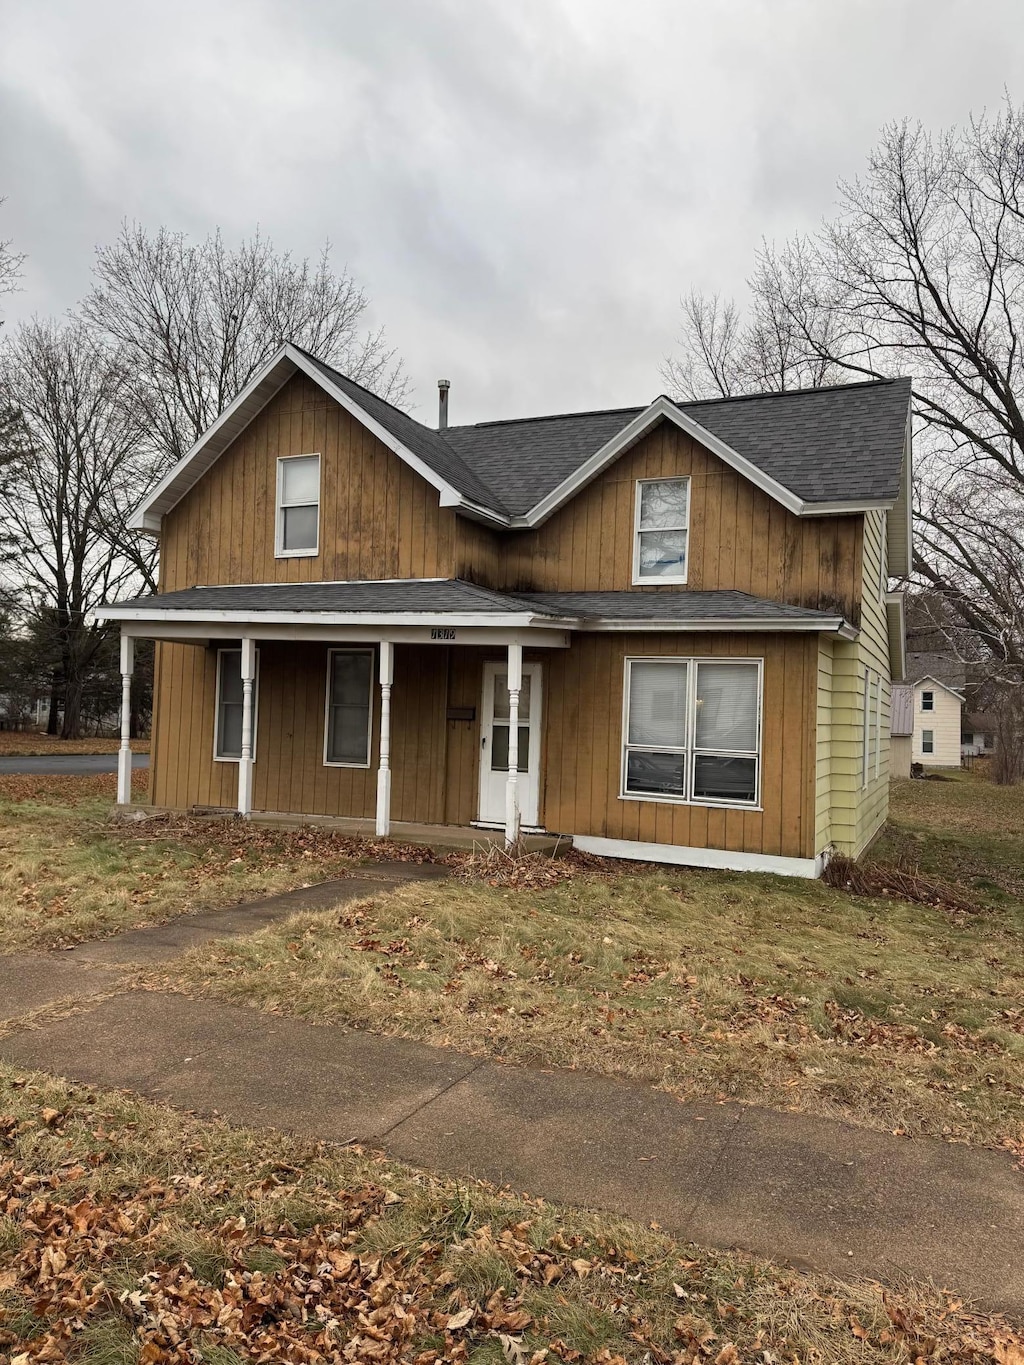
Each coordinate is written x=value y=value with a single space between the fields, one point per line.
x=927 y=701
x=298 y=505
x=662 y=530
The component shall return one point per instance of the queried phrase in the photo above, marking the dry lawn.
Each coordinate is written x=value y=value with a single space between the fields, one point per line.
x=906 y=1018
x=27 y=743
x=131 y=1235
x=67 y=873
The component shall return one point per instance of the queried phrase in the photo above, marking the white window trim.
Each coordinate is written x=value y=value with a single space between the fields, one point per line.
x=639 y=578
x=689 y=749
x=332 y=762
x=279 y=551
x=931 y=741
x=227 y=758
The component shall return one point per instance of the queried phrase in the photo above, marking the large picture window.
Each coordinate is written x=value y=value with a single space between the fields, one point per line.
x=349 y=689
x=662 y=530
x=693 y=731
x=298 y=505
x=228 y=727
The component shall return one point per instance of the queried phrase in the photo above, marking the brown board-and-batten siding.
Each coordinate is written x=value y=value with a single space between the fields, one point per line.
x=435 y=756
x=289 y=773
x=378 y=519
x=739 y=537
x=583 y=762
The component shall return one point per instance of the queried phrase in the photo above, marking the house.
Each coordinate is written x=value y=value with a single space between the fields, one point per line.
x=937 y=681
x=662 y=631
x=978 y=734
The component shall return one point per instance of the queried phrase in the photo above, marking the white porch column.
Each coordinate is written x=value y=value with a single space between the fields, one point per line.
x=124 y=757
x=245 y=762
x=515 y=684
x=387 y=672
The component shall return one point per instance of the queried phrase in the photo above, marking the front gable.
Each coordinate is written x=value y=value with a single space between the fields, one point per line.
x=378 y=517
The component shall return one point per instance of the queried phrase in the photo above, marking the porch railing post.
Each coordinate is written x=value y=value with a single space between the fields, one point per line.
x=124 y=757
x=515 y=684
x=245 y=762
x=387 y=671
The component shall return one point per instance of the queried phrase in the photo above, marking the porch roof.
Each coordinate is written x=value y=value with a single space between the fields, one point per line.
x=415 y=602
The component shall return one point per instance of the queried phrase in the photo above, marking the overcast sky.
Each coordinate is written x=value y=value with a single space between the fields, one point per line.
x=524 y=187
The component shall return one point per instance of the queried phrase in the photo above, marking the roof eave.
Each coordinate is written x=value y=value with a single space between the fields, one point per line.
x=829 y=625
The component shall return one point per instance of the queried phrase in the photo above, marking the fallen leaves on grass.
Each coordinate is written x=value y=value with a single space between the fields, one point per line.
x=65 y=789
x=181 y=1242
x=29 y=744
x=528 y=870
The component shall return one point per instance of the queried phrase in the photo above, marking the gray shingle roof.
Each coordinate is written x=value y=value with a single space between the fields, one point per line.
x=838 y=444
x=427 y=596
x=721 y=604
x=440 y=597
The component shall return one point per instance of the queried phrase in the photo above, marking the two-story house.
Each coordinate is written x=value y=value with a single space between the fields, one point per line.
x=662 y=631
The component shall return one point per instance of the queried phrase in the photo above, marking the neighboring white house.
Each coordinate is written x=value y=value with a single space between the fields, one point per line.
x=937 y=710
x=978 y=736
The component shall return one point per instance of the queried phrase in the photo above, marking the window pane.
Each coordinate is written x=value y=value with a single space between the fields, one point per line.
x=727 y=706
x=657 y=703
x=502 y=701
x=724 y=779
x=299 y=528
x=348 y=735
x=350 y=678
x=659 y=774
x=230 y=735
x=300 y=480
x=662 y=554
x=348 y=722
x=499 y=749
x=663 y=504
x=231 y=675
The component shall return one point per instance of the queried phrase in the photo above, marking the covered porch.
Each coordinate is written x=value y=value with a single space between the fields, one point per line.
x=309 y=702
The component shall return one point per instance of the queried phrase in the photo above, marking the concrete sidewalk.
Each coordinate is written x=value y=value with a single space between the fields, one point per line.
x=815 y=1192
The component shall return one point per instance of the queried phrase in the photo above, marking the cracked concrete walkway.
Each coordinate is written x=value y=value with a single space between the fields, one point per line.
x=812 y=1191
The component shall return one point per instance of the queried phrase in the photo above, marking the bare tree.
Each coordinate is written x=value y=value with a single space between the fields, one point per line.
x=75 y=443
x=920 y=273
x=10 y=267
x=196 y=320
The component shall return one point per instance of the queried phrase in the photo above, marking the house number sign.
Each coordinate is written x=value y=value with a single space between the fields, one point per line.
x=442 y=632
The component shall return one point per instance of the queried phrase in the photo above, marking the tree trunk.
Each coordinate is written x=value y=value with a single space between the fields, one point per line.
x=52 y=722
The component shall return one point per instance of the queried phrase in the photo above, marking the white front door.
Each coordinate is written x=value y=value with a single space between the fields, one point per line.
x=494 y=744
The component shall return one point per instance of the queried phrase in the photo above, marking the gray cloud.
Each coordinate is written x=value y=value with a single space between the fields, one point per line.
x=524 y=190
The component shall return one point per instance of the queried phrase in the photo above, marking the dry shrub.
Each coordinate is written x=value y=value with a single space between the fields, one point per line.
x=526 y=869
x=879 y=879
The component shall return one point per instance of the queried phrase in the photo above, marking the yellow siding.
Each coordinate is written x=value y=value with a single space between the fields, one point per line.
x=823 y=747
x=859 y=807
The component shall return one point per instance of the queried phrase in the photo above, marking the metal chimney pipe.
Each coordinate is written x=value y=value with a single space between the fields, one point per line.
x=443 y=385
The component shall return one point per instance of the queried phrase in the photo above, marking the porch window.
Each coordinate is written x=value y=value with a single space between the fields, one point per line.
x=927 y=741
x=349 y=689
x=662 y=515
x=693 y=730
x=298 y=505
x=228 y=739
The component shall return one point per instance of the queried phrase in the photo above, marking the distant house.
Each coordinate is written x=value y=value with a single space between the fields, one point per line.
x=938 y=680
x=664 y=632
x=978 y=735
